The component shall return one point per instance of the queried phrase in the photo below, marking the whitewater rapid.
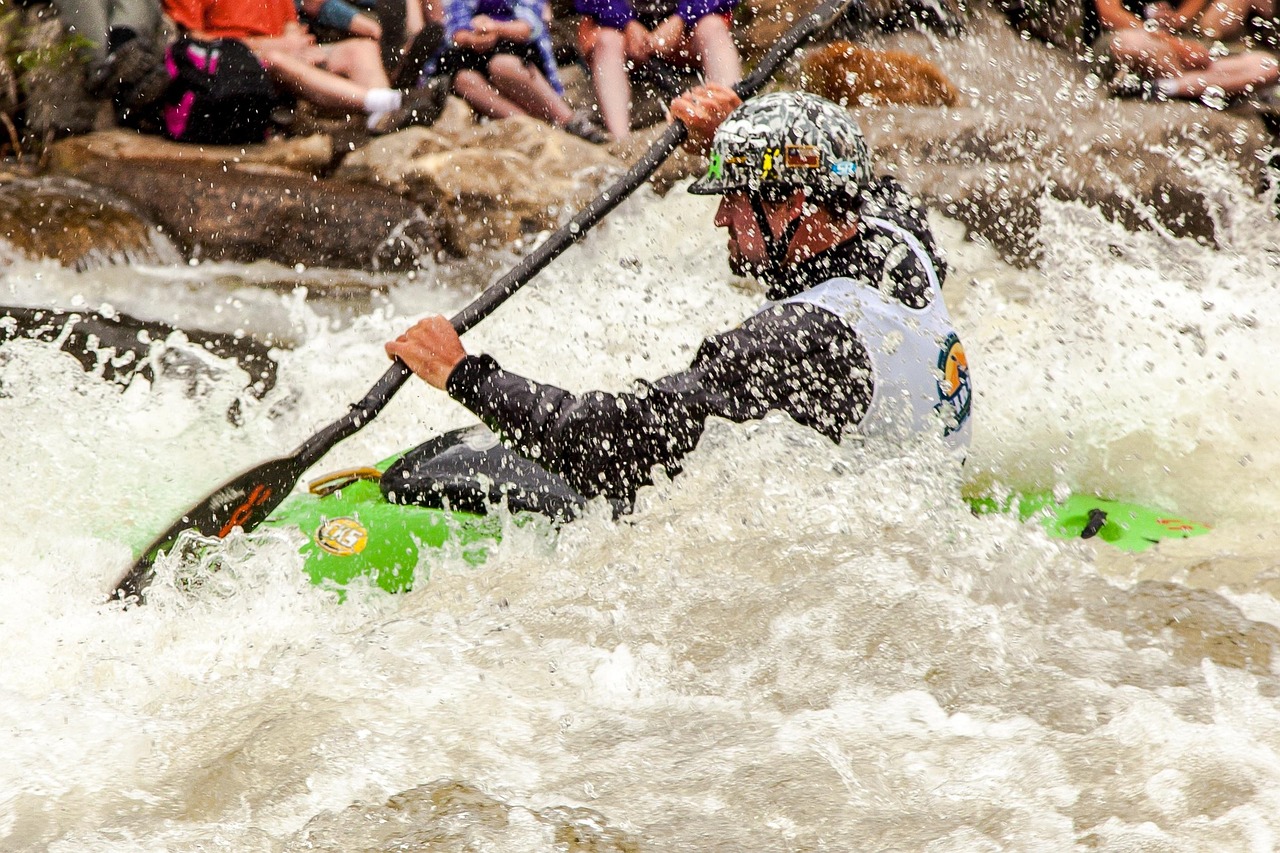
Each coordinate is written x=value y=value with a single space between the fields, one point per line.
x=791 y=646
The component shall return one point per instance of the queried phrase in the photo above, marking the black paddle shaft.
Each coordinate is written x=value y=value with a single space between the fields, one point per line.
x=247 y=500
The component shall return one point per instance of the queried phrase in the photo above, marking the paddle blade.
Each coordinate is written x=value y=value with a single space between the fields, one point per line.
x=244 y=501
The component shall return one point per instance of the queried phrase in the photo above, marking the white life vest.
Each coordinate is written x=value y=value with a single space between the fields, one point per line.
x=920 y=373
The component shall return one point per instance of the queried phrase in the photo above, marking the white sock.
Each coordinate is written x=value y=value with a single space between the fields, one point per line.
x=379 y=102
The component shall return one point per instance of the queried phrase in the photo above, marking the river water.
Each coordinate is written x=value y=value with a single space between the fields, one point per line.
x=794 y=646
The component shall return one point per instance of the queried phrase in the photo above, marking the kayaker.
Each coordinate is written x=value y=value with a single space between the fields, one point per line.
x=855 y=337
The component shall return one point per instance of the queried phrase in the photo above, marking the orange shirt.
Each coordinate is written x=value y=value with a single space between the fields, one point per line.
x=233 y=18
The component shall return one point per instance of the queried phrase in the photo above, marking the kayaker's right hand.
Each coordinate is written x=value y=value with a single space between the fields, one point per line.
x=431 y=349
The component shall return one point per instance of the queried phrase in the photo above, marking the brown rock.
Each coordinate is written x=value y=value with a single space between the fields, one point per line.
x=76 y=224
x=492 y=183
x=857 y=76
x=310 y=154
x=245 y=204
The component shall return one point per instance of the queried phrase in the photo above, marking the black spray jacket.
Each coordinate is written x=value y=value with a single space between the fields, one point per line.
x=794 y=358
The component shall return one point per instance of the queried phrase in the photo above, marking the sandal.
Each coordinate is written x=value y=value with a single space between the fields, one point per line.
x=582 y=125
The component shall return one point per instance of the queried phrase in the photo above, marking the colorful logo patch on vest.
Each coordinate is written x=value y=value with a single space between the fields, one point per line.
x=344 y=537
x=803 y=157
x=954 y=387
x=845 y=168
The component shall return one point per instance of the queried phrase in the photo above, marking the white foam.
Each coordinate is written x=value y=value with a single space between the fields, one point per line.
x=790 y=646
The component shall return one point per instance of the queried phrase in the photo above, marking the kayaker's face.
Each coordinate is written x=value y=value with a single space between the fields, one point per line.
x=746 y=245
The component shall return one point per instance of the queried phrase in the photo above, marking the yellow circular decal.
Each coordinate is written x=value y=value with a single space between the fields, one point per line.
x=342 y=536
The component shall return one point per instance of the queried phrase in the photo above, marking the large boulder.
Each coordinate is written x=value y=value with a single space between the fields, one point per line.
x=254 y=202
x=491 y=184
x=80 y=225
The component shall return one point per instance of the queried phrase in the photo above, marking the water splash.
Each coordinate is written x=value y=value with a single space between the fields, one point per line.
x=793 y=645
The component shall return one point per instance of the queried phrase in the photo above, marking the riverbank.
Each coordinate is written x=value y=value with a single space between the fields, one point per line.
x=1029 y=123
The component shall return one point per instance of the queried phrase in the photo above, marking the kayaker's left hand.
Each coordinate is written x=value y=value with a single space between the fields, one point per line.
x=702 y=109
x=431 y=349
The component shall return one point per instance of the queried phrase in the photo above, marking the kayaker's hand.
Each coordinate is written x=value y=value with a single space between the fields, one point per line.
x=702 y=108
x=431 y=349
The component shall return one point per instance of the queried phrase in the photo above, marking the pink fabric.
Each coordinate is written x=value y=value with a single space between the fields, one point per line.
x=176 y=117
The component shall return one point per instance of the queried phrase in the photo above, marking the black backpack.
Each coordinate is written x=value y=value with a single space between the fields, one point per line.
x=218 y=94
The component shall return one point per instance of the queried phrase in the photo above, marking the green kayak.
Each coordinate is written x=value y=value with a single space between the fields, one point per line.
x=376 y=522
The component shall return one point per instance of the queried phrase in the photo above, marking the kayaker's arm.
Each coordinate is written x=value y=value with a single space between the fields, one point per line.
x=794 y=358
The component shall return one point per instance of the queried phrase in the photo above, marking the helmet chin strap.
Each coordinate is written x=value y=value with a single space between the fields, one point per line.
x=773 y=272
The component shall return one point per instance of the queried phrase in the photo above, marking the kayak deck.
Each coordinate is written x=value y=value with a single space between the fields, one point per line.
x=376 y=522
x=1128 y=526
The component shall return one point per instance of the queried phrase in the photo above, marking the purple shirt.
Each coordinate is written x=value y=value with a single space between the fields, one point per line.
x=616 y=14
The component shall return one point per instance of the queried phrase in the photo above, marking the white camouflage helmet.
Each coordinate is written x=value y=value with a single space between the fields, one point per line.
x=787 y=140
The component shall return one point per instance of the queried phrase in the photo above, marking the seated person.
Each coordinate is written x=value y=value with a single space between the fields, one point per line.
x=500 y=58
x=616 y=36
x=1169 y=50
x=346 y=75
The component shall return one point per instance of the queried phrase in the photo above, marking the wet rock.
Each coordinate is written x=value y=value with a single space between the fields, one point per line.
x=310 y=155
x=118 y=348
x=491 y=184
x=255 y=202
x=857 y=76
x=76 y=224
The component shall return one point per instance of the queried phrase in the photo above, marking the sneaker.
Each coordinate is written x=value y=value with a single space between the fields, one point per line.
x=1130 y=85
x=1215 y=98
x=660 y=77
x=425 y=45
x=420 y=107
x=583 y=126
x=123 y=68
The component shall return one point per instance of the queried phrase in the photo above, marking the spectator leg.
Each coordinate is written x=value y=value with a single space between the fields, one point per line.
x=472 y=87
x=612 y=86
x=713 y=41
x=524 y=85
x=1140 y=51
x=1233 y=75
x=322 y=88
x=360 y=61
x=1224 y=19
